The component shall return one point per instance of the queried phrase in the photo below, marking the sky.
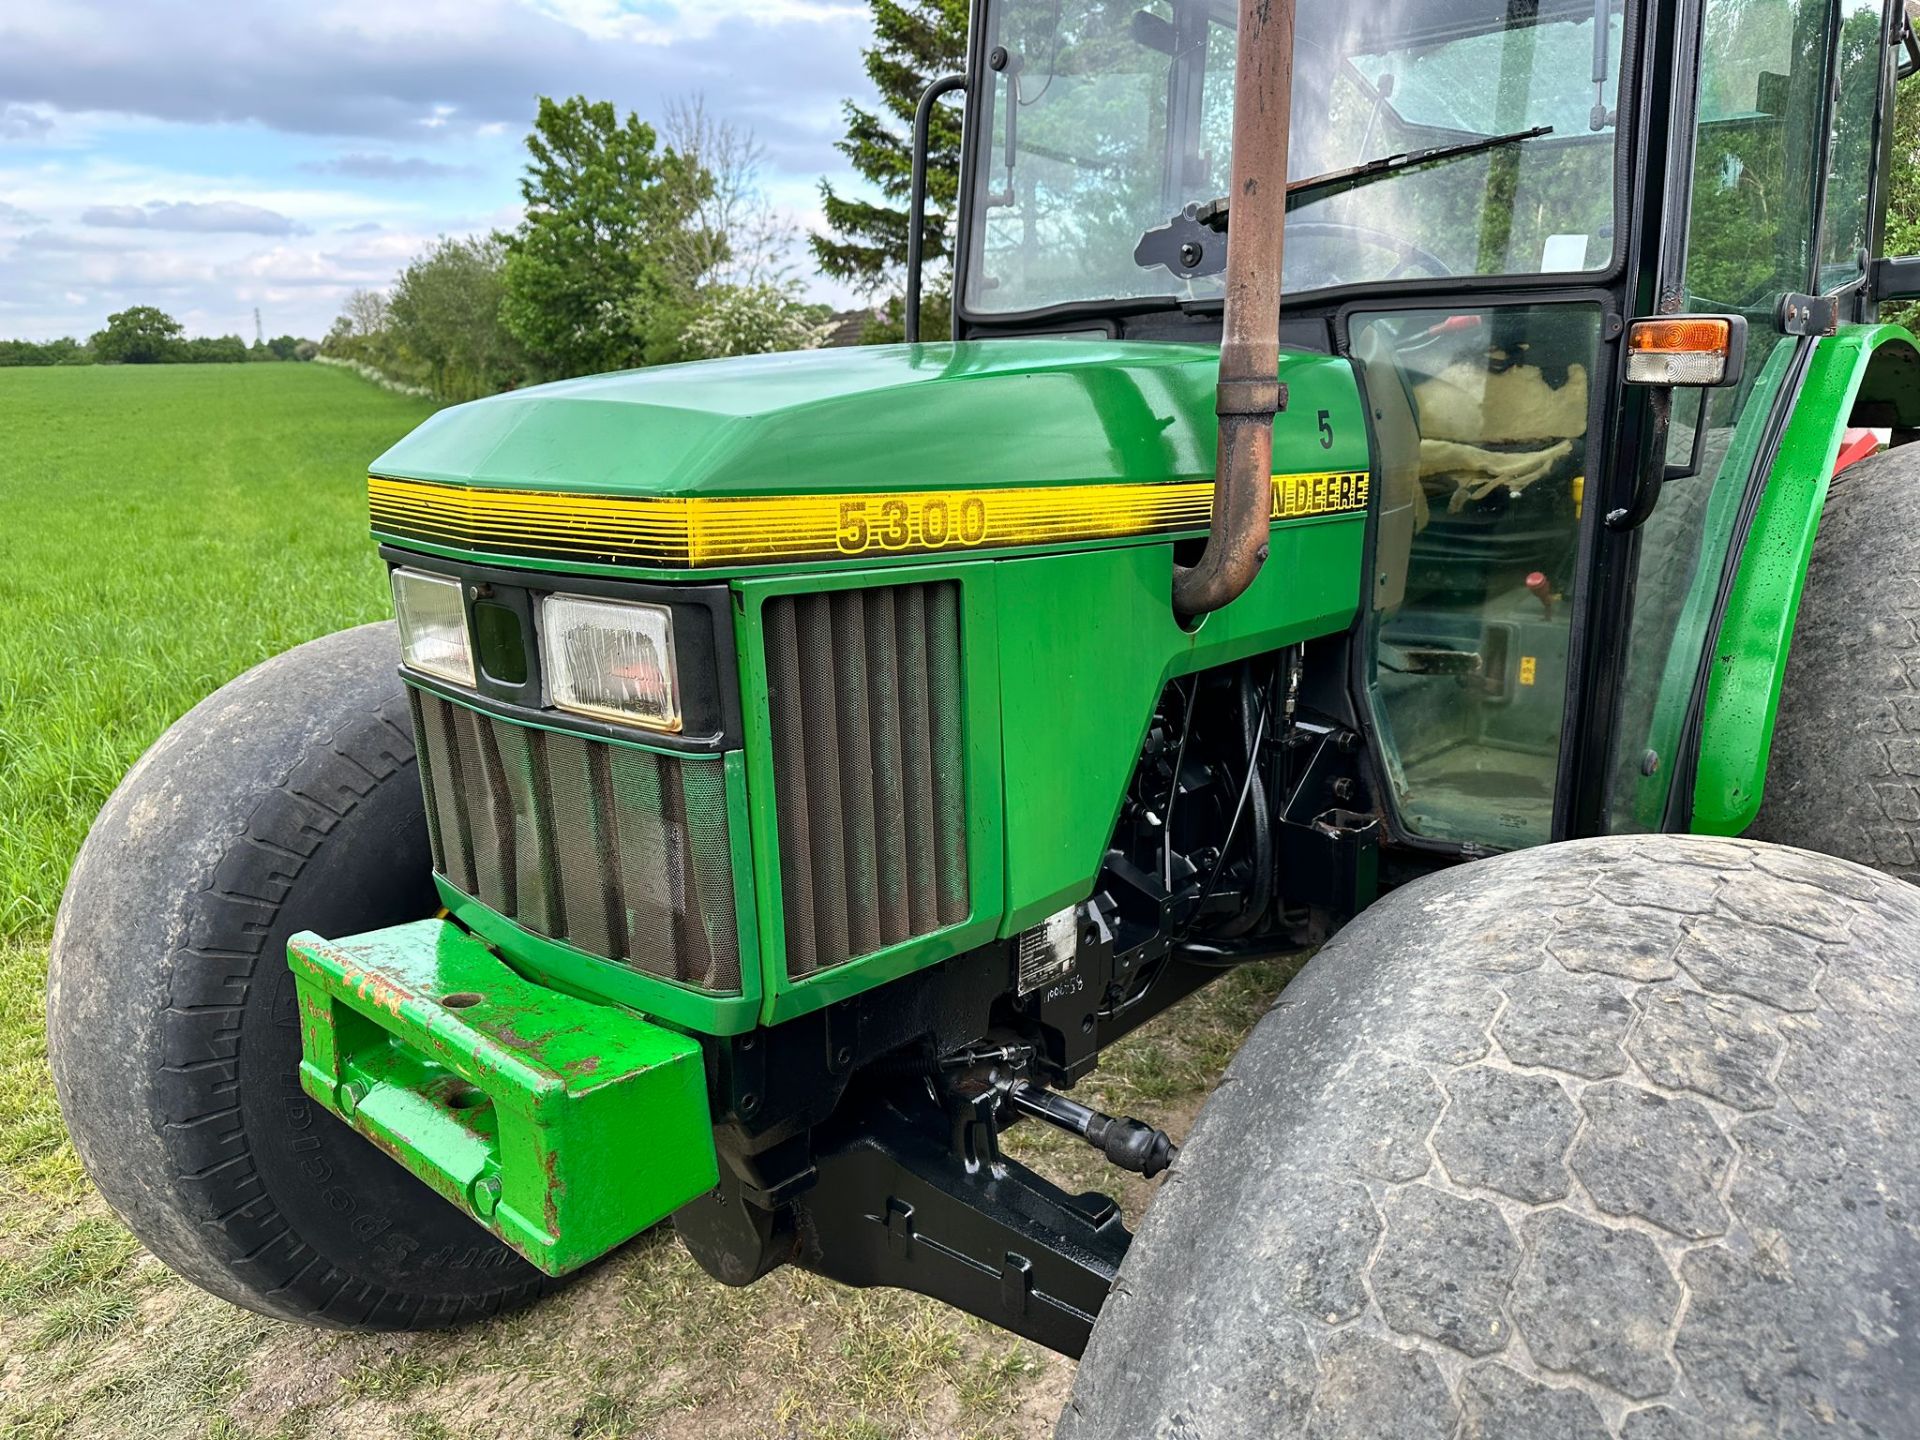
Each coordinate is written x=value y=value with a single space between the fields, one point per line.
x=212 y=157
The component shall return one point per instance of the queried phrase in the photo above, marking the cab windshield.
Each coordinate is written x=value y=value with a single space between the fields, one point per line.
x=1105 y=119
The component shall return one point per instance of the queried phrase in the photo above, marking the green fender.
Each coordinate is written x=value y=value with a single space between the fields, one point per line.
x=1873 y=365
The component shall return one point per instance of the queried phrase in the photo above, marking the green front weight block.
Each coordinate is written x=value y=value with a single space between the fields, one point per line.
x=562 y=1126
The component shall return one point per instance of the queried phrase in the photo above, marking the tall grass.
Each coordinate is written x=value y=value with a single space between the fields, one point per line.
x=161 y=529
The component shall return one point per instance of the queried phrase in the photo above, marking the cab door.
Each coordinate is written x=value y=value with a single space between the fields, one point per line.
x=1781 y=203
x=1487 y=381
x=1486 y=424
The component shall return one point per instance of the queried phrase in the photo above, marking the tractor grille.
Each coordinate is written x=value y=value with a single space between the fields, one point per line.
x=620 y=852
x=867 y=768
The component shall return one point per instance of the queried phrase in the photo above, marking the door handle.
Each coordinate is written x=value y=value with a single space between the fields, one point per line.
x=1653 y=471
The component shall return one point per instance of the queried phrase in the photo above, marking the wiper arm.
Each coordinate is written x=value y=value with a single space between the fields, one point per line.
x=1181 y=247
x=1336 y=182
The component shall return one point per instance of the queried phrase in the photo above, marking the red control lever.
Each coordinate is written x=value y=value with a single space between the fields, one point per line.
x=1542 y=589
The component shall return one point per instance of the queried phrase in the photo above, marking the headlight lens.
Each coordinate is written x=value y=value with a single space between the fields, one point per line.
x=433 y=625
x=612 y=659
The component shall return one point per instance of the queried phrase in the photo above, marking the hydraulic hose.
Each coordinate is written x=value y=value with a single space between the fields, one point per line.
x=1247 y=787
x=1260 y=889
x=1250 y=394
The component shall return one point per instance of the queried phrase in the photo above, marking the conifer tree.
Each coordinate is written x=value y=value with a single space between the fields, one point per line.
x=915 y=42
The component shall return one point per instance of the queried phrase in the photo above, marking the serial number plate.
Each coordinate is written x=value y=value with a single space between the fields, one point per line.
x=1049 y=949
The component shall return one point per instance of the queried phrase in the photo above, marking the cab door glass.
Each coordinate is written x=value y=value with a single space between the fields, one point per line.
x=1861 y=71
x=1752 y=237
x=1481 y=422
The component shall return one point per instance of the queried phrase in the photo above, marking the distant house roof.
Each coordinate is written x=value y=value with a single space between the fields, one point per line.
x=849 y=325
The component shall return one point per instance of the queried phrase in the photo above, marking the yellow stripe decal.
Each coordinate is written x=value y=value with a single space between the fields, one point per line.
x=691 y=532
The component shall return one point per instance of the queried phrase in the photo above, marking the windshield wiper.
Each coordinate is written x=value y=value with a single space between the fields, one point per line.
x=1336 y=182
x=1182 y=245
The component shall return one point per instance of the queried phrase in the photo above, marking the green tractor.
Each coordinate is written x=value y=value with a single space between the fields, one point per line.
x=786 y=774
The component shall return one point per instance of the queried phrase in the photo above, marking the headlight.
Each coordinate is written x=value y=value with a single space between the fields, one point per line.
x=433 y=625
x=612 y=659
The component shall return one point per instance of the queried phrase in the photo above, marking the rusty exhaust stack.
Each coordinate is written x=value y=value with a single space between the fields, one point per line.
x=1250 y=391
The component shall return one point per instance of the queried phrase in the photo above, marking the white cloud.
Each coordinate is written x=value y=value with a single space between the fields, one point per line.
x=405 y=169
x=64 y=284
x=64 y=188
x=432 y=67
x=665 y=24
x=312 y=150
x=218 y=217
x=23 y=123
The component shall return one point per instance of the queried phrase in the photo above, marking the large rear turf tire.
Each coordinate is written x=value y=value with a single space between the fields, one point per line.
x=288 y=800
x=1844 y=775
x=1611 y=1140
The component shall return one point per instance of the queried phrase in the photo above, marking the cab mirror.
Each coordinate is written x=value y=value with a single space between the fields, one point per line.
x=1893 y=278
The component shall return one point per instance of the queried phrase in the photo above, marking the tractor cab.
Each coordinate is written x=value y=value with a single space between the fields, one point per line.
x=1481 y=196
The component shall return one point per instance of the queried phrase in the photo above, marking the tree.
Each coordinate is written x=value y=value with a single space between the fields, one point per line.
x=365 y=313
x=590 y=283
x=65 y=351
x=284 y=347
x=755 y=320
x=748 y=301
x=361 y=330
x=915 y=42
x=736 y=237
x=1903 y=192
x=143 y=335
x=363 y=316
x=211 y=350
x=445 y=312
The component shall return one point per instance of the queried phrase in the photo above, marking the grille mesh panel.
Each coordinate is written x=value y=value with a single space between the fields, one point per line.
x=623 y=853
x=865 y=692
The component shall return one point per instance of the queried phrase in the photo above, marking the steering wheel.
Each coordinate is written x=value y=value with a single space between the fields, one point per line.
x=1408 y=253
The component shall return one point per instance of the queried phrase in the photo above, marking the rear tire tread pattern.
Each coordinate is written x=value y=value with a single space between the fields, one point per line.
x=1610 y=1140
x=1843 y=777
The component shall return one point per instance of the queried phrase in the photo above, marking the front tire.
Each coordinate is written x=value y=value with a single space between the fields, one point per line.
x=288 y=800
x=1609 y=1140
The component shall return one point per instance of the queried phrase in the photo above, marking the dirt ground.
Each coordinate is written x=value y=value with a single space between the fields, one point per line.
x=97 y=1339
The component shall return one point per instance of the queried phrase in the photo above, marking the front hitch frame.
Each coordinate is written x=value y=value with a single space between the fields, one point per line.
x=562 y=1126
x=916 y=1195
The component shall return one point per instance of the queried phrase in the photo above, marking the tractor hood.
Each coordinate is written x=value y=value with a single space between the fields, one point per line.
x=836 y=455
x=981 y=414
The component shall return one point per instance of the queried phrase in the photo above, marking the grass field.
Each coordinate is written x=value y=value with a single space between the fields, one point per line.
x=162 y=529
